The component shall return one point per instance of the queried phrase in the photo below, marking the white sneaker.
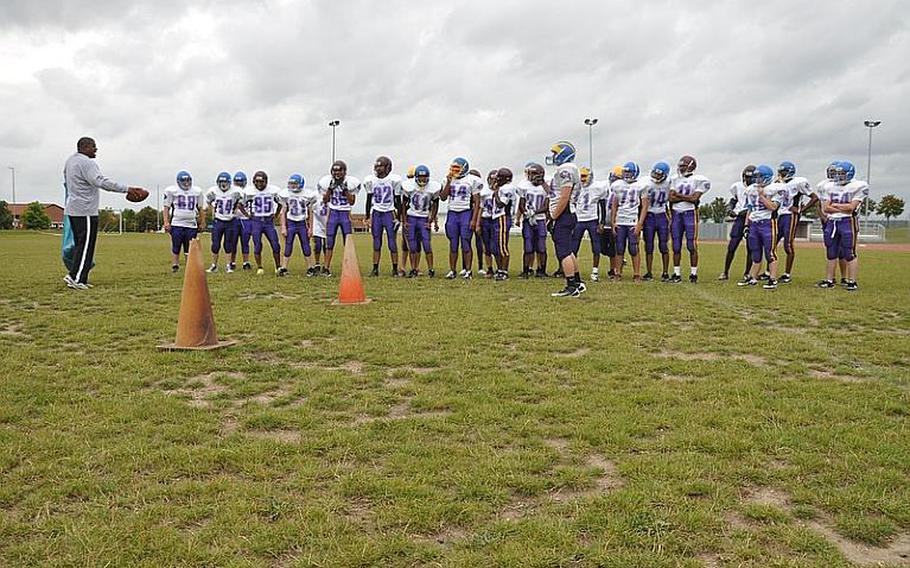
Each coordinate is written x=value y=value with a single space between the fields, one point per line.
x=450 y=275
x=212 y=268
x=467 y=274
x=595 y=277
x=228 y=269
x=68 y=280
x=260 y=272
x=481 y=272
x=581 y=288
x=463 y=272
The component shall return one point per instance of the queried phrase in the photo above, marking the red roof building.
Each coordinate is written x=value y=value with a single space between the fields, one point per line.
x=53 y=211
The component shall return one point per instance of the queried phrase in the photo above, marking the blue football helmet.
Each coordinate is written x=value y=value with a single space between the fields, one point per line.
x=562 y=153
x=295 y=182
x=462 y=164
x=240 y=179
x=845 y=172
x=660 y=172
x=184 y=179
x=630 y=172
x=422 y=174
x=223 y=181
x=786 y=170
x=763 y=175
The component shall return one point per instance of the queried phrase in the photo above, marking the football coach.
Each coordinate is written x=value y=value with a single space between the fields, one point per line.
x=82 y=180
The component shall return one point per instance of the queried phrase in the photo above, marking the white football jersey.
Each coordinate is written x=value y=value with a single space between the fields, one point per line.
x=338 y=201
x=186 y=204
x=242 y=191
x=688 y=185
x=856 y=190
x=384 y=191
x=758 y=211
x=262 y=203
x=738 y=192
x=627 y=197
x=320 y=214
x=535 y=196
x=224 y=203
x=486 y=202
x=421 y=198
x=795 y=187
x=658 y=195
x=566 y=175
x=588 y=198
x=297 y=203
x=508 y=195
x=461 y=191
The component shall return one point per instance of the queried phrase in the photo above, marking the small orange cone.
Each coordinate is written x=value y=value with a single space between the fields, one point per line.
x=195 y=324
x=351 y=290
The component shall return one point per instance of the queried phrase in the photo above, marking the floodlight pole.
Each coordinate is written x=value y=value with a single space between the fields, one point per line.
x=870 y=124
x=334 y=124
x=13 y=173
x=590 y=122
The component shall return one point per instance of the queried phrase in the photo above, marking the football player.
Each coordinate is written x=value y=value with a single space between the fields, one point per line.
x=504 y=197
x=320 y=218
x=736 y=209
x=483 y=223
x=339 y=191
x=657 y=220
x=586 y=214
x=419 y=207
x=815 y=200
x=225 y=200
x=460 y=190
x=788 y=214
x=244 y=227
x=629 y=209
x=296 y=217
x=532 y=209
x=475 y=228
x=563 y=195
x=605 y=218
x=762 y=200
x=184 y=215
x=686 y=189
x=383 y=189
x=841 y=204
x=262 y=203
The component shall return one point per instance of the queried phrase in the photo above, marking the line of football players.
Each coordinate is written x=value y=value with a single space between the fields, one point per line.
x=615 y=214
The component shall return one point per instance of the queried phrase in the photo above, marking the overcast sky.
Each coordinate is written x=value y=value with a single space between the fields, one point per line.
x=208 y=86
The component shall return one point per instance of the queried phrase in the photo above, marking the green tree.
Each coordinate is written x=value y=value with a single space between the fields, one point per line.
x=716 y=210
x=6 y=216
x=147 y=219
x=108 y=221
x=34 y=217
x=129 y=220
x=869 y=207
x=890 y=206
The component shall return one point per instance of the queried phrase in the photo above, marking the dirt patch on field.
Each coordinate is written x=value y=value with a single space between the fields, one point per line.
x=270 y=296
x=352 y=367
x=678 y=378
x=756 y=360
x=200 y=396
x=828 y=375
x=401 y=411
x=580 y=352
x=12 y=329
x=445 y=537
x=896 y=553
x=283 y=436
x=709 y=560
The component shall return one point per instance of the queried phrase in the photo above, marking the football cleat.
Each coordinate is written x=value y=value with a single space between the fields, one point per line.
x=686 y=166
x=693 y=278
x=843 y=281
x=374 y=273
x=647 y=277
x=562 y=153
x=541 y=273
x=825 y=284
x=326 y=272
x=764 y=276
x=175 y=268
x=660 y=171
x=636 y=278
x=630 y=172
x=396 y=273
x=747 y=281
x=467 y=275
x=595 y=277
x=580 y=286
x=212 y=268
x=664 y=277
x=260 y=272
x=281 y=271
x=771 y=284
x=785 y=279
x=247 y=266
x=723 y=276
x=431 y=273
x=851 y=286
x=310 y=272
x=412 y=273
x=230 y=267
x=559 y=274
x=565 y=292
x=481 y=273
x=450 y=275
x=675 y=279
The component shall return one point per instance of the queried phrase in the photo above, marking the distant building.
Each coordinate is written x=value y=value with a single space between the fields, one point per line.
x=53 y=211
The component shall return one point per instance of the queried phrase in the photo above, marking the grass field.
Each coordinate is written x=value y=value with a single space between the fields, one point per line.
x=451 y=423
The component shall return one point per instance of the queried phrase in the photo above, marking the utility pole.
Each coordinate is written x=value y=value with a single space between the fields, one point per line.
x=870 y=124
x=334 y=124
x=591 y=122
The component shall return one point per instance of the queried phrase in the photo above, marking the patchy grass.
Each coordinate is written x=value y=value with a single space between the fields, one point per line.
x=443 y=425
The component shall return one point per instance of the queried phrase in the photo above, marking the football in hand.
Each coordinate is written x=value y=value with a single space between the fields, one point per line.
x=136 y=194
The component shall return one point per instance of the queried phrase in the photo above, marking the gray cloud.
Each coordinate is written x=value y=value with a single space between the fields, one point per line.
x=209 y=86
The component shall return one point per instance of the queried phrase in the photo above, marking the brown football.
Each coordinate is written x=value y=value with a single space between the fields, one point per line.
x=136 y=195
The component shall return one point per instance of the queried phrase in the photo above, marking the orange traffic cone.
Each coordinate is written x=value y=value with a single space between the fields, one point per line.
x=195 y=324
x=351 y=290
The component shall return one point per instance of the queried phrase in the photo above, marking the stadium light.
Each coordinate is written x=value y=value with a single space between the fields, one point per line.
x=334 y=124
x=591 y=122
x=870 y=124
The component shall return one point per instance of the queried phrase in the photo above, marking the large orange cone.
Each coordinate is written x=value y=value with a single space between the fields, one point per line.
x=195 y=324
x=351 y=290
